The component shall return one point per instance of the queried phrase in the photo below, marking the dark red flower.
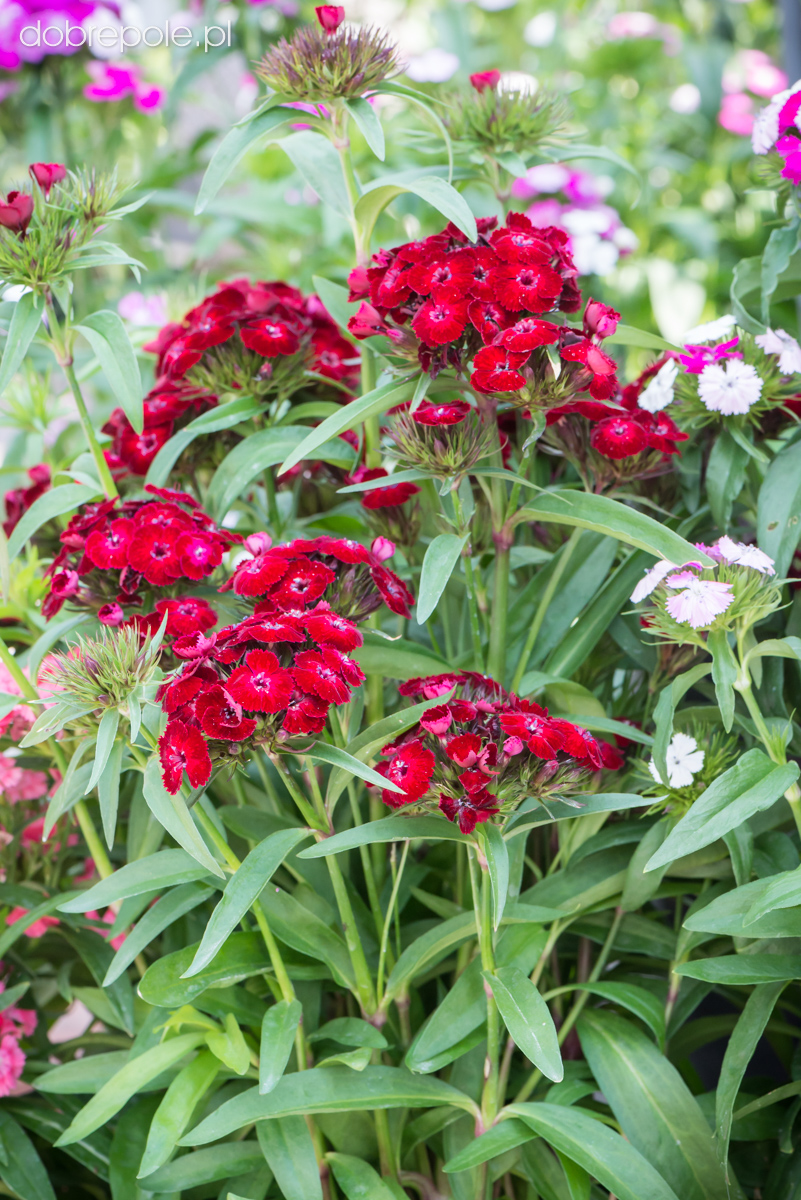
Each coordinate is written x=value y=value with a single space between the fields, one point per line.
x=256 y=576
x=469 y=810
x=221 y=717
x=261 y=684
x=108 y=548
x=187 y=614
x=305 y=715
x=194 y=645
x=442 y=414
x=46 y=174
x=531 y=723
x=304 y=582
x=482 y=80
x=464 y=749
x=441 y=319
x=394 y=591
x=17 y=211
x=171 y=496
x=19 y=500
x=383 y=497
x=451 y=271
x=528 y=334
x=183 y=748
x=663 y=433
x=489 y=319
x=137 y=450
x=411 y=768
x=430 y=686
x=619 y=437
x=269 y=338
x=198 y=554
x=330 y=17
x=321 y=675
x=496 y=370
x=533 y=286
x=151 y=551
x=328 y=628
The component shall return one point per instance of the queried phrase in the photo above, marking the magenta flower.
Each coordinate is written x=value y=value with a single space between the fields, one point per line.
x=698 y=357
x=699 y=601
x=113 y=82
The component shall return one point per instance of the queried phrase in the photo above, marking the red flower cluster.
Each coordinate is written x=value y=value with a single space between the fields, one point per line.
x=351 y=578
x=470 y=301
x=244 y=334
x=391 y=496
x=622 y=430
x=273 y=320
x=273 y=676
x=484 y=750
x=19 y=500
x=115 y=551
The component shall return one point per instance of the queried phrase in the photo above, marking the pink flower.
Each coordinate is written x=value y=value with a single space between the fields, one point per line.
x=17 y=783
x=112 y=81
x=737 y=113
x=699 y=601
x=652 y=579
x=138 y=309
x=12 y=1061
x=37 y=929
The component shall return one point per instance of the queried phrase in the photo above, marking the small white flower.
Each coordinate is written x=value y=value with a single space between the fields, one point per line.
x=777 y=341
x=745 y=556
x=699 y=601
x=729 y=388
x=432 y=66
x=652 y=579
x=710 y=331
x=684 y=760
x=659 y=392
x=685 y=99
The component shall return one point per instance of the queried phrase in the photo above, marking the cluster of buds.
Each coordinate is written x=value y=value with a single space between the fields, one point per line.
x=328 y=61
x=690 y=600
x=445 y=439
x=344 y=573
x=43 y=230
x=118 y=554
x=484 y=750
x=491 y=120
x=102 y=673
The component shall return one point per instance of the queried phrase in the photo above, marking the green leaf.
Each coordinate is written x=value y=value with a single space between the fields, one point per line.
x=614 y=519
x=358 y=1180
x=498 y=1139
x=176 y=904
x=265 y=449
x=739 y=1052
x=315 y=159
x=323 y=752
x=226 y=416
x=724 y=674
x=13 y=932
x=745 y=292
x=55 y=503
x=440 y=558
x=789 y=647
x=776 y=892
x=241 y=891
x=234 y=146
x=779 y=508
x=25 y=322
x=108 y=788
x=627 y=335
x=10 y=996
x=335 y=299
x=606 y=1155
x=172 y=813
x=636 y=1000
x=388 y=829
x=398 y=659
x=782 y=244
x=750 y=786
x=350 y=1031
x=106 y=733
x=162 y=985
x=175 y=1110
x=204 y=1167
x=725 y=476
x=497 y=856
x=577 y=150
x=108 y=337
x=527 y=1017
x=156 y=872
x=435 y=191
x=655 y=1108
x=328 y=1089
x=133 y=1077
x=288 y=1148
x=641 y=886
x=229 y=1045
x=764 y=908
x=21 y=1169
x=278 y=1031
x=350 y=415
x=742 y=969
x=369 y=123
x=665 y=709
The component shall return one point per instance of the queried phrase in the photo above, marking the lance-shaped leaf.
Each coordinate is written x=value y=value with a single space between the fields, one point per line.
x=497 y=856
x=369 y=123
x=175 y=1111
x=234 y=146
x=388 y=829
x=527 y=1017
x=288 y=1148
x=170 y=908
x=437 y=192
x=108 y=337
x=172 y=813
x=25 y=321
x=323 y=752
x=278 y=1030
x=21 y=1168
x=779 y=507
x=226 y=416
x=155 y=872
x=241 y=891
x=358 y=1180
x=205 y=1167
x=724 y=675
x=440 y=558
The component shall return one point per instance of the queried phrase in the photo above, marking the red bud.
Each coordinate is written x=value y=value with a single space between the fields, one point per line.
x=485 y=79
x=16 y=213
x=330 y=17
x=46 y=174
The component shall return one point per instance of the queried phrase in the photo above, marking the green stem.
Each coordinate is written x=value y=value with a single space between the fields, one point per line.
x=544 y=605
x=379 y=987
x=93 y=841
x=367 y=867
x=467 y=567
x=793 y=793
x=496 y=660
x=272 y=506
x=482 y=901
x=307 y=812
x=361 y=971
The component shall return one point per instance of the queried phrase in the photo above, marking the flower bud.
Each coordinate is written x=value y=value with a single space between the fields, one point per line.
x=46 y=174
x=485 y=79
x=111 y=614
x=382 y=548
x=17 y=211
x=330 y=17
x=258 y=543
x=599 y=319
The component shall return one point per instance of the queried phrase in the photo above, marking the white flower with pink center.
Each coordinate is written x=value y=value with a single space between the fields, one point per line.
x=699 y=601
x=729 y=387
x=683 y=760
x=742 y=555
x=652 y=579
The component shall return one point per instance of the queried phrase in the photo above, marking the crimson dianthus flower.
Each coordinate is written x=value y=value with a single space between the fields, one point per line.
x=261 y=684
x=183 y=748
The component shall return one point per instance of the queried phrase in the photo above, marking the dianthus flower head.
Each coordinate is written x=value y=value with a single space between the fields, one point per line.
x=729 y=389
x=329 y=60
